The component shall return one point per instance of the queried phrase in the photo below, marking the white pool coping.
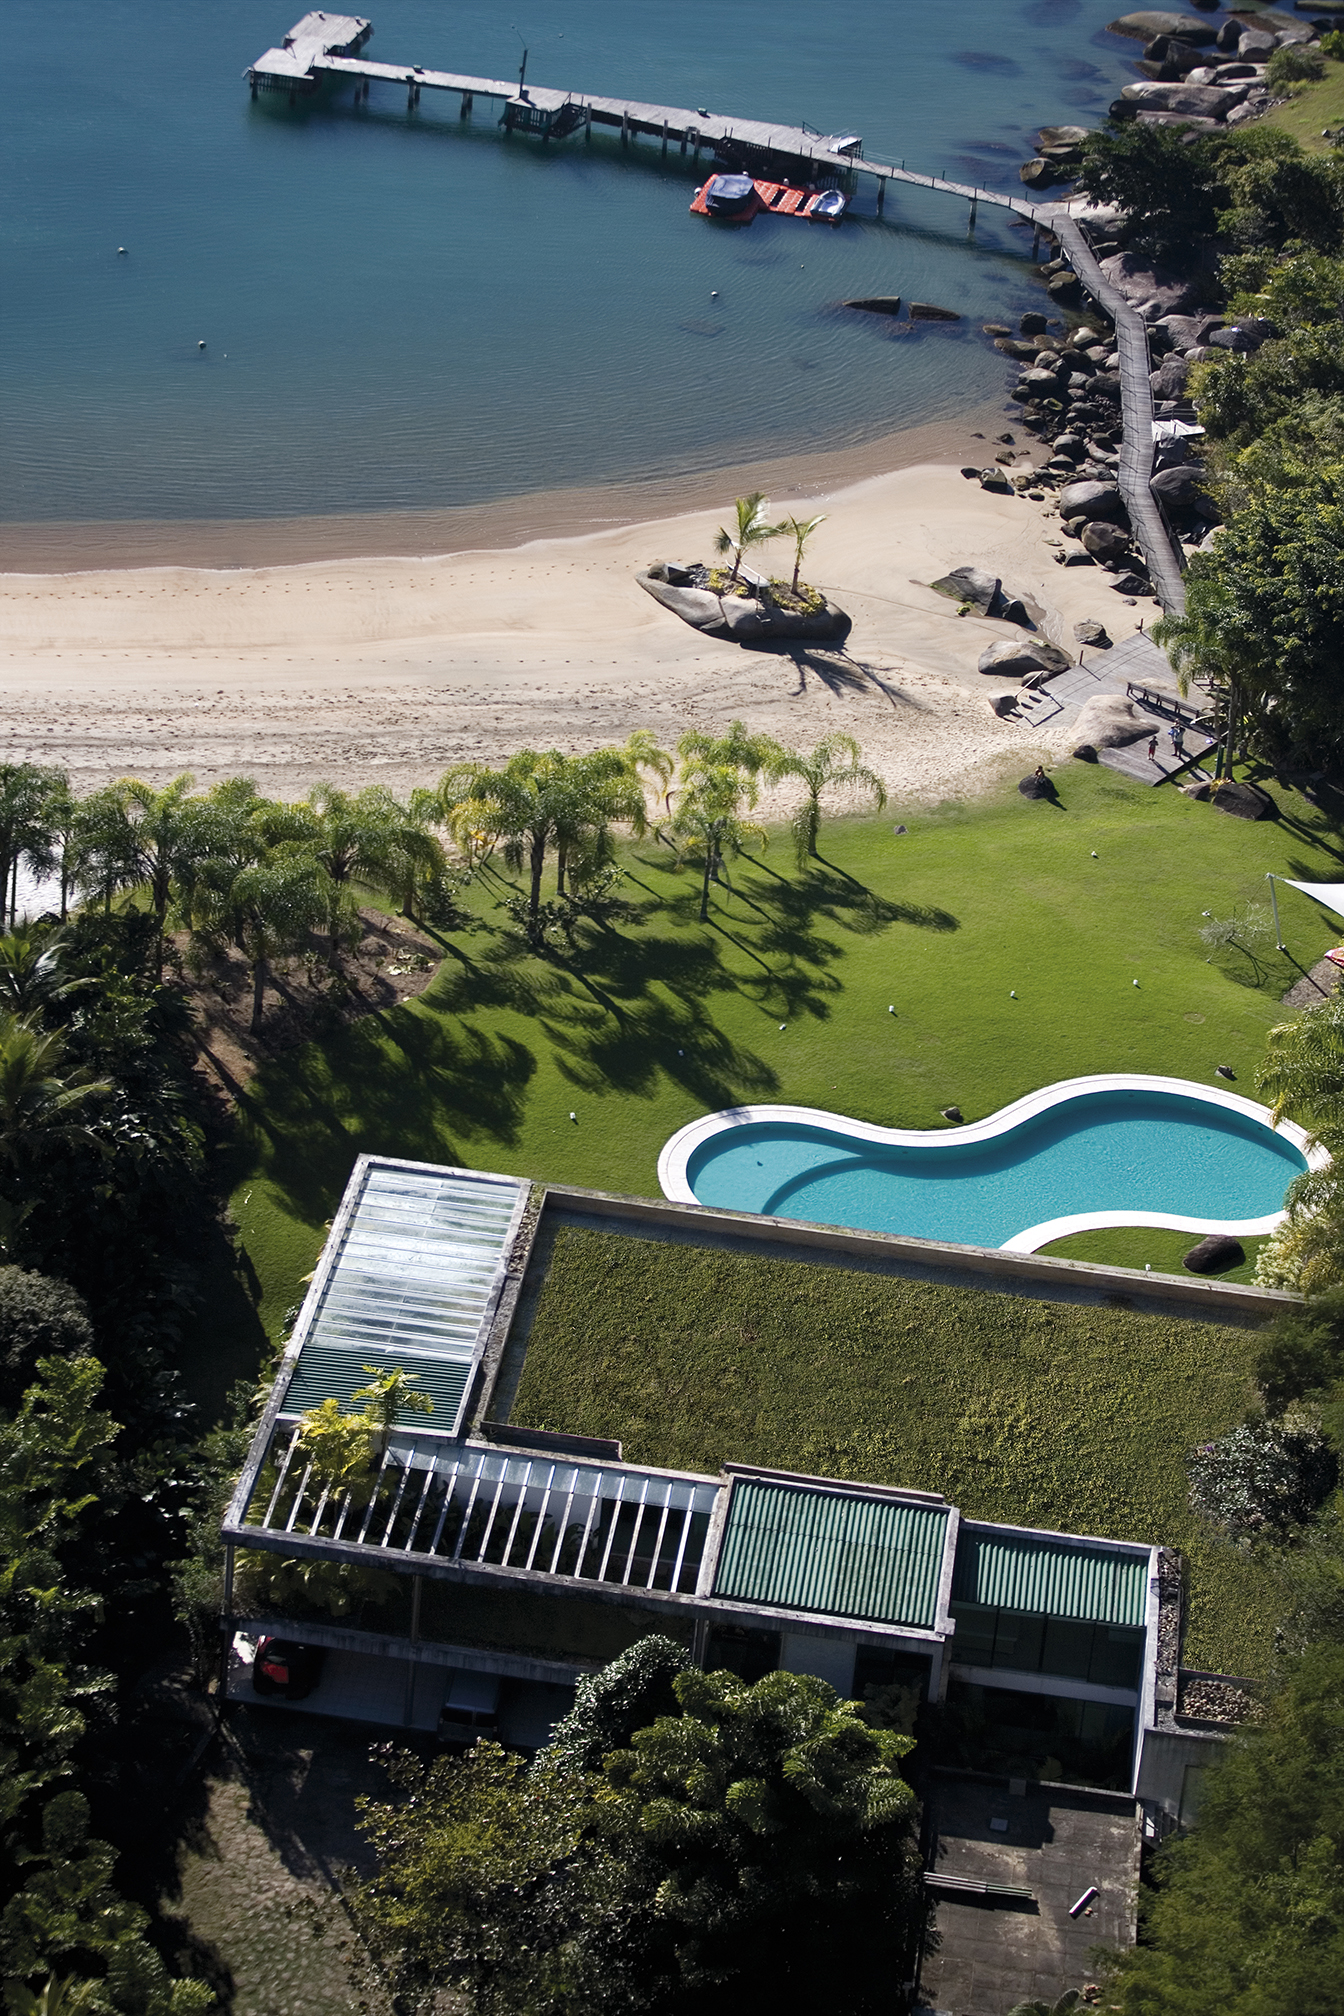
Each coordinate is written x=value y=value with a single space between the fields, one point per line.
x=674 y=1161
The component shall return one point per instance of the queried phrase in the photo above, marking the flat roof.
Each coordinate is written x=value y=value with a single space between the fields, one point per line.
x=410 y=1276
x=1053 y=1576
x=835 y=1553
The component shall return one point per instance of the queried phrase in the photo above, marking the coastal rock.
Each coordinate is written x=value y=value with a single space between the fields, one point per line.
x=1017 y=347
x=1033 y=323
x=1185 y=120
x=1090 y=499
x=1003 y=705
x=1110 y=721
x=1155 y=291
x=994 y=479
x=1188 y=332
x=1063 y=287
x=1207 y=101
x=1239 y=337
x=1256 y=47
x=1018 y=658
x=1215 y=1255
x=1168 y=381
x=1062 y=136
x=1085 y=753
x=748 y=620
x=1037 y=174
x=1089 y=631
x=925 y=311
x=695 y=606
x=1143 y=27
x=1180 y=490
x=877 y=304
x=971 y=585
x=1243 y=801
x=1107 y=543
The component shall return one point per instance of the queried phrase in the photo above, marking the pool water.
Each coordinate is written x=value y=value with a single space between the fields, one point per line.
x=1120 y=1151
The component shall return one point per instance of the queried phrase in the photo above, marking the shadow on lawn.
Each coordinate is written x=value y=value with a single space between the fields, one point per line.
x=629 y=1005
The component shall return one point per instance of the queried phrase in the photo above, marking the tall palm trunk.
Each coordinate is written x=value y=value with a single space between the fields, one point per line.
x=538 y=862
x=258 y=992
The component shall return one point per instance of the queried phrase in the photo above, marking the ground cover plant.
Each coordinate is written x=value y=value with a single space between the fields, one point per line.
x=650 y=1018
x=1041 y=1414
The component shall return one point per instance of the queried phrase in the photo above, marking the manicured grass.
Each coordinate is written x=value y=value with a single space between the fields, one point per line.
x=1136 y=1246
x=1315 y=107
x=659 y=1018
x=1036 y=1413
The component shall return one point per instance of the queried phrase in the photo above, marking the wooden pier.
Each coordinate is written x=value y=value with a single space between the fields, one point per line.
x=331 y=45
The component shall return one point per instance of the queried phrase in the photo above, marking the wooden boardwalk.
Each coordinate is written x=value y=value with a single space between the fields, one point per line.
x=331 y=45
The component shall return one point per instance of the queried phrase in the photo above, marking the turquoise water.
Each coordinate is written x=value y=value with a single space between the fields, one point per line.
x=1103 y=1151
x=404 y=312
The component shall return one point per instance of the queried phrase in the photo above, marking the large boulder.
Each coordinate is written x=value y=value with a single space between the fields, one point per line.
x=1110 y=721
x=748 y=620
x=1089 y=631
x=695 y=606
x=1020 y=657
x=1243 y=801
x=1143 y=27
x=1203 y=101
x=1062 y=136
x=1168 y=381
x=1180 y=490
x=1107 y=543
x=1156 y=291
x=1255 y=46
x=974 y=586
x=1065 y=287
x=1037 y=173
x=1189 y=332
x=1091 y=499
x=1215 y=1255
x=1242 y=337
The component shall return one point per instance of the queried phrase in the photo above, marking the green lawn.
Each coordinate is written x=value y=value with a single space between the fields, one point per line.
x=1035 y=1413
x=1315 y=107
x=1137 y=1246
x=661 y=1019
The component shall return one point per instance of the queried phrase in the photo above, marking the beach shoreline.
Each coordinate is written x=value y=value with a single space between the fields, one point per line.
x=387 y=670
x=97 y=546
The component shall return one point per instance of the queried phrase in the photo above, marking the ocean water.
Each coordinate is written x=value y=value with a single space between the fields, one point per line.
x=406 y=311
x=1103 y=1151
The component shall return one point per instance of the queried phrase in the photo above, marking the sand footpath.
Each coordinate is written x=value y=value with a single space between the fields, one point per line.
x=386 y=670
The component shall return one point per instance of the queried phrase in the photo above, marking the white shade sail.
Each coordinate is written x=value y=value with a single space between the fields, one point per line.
x=1329 y=894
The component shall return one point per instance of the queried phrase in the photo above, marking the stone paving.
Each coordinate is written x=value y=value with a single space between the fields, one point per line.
x=988 y=1954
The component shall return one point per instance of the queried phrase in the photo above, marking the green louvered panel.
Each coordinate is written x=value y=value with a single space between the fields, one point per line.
x=1051 y=1578
x=838 y=1555
x=326 y=1374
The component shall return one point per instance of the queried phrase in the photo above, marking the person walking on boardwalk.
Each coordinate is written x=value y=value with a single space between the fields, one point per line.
x=1152 y=750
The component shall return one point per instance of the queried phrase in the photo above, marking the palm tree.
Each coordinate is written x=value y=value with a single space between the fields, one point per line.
x=267 y=907
x=800 y=530
x=30 y=972
x=753 y=528
x=27 y=792
x=836 y=762
x=538 y=802
x=137 y=837
x=367 y=839
x=42 y=1105
x=1303 y=1076
x=642 y=753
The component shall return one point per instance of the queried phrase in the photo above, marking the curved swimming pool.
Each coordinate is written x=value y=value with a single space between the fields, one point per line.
x=1079 y=1154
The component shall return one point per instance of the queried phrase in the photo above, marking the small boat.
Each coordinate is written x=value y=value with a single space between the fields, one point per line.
x=733 y=196
x=740 y=198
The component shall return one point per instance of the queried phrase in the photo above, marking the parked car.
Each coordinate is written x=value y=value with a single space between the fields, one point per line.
x=283 y=1666
x=470 y=1707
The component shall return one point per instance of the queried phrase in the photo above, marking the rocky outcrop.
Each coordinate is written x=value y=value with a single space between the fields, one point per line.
x=1155 y=291
x=1143 y=27
x=741 y=617
x=1089 y=631
x=1107 y=543
x=1180 y=491
x=1205 y=101
x=1215 y=1255
x=1091 y=499
x=1018 y=658
x=1110 y=721
x=973 y=587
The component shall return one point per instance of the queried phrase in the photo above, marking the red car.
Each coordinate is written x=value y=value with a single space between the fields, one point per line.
x=283 y=1666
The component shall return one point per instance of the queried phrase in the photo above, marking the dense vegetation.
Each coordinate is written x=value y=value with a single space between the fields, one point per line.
x=1261 y=222
x=687 y=1842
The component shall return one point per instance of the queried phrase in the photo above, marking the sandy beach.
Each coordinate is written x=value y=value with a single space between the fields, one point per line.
x=385 y=669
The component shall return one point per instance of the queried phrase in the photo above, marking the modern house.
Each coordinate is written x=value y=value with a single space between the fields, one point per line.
x=479 y=1570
